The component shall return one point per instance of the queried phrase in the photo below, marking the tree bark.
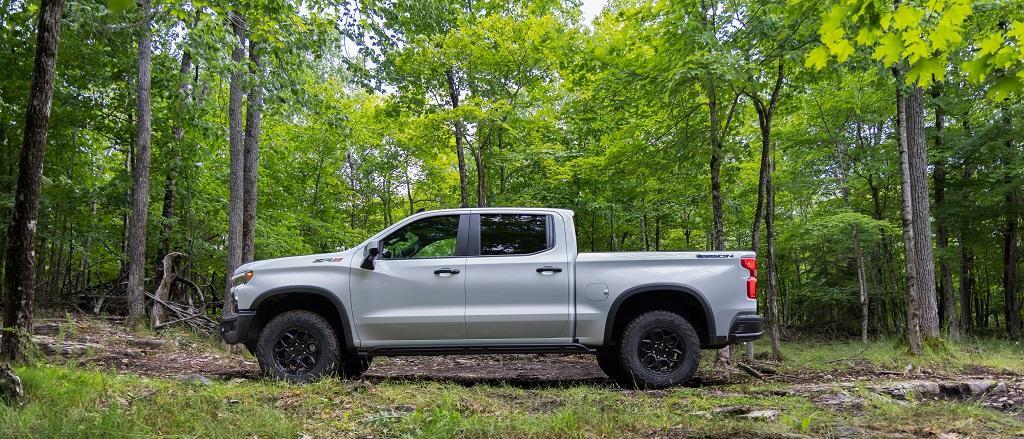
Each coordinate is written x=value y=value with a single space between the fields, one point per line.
x=253 y=117
x=941 y=229
x=164 y=289
x=237 y=158
x=453 y=94
x=140 y=178
x=19 y=269
x=913 y=312
x=1010 y=278
x=921 y=217
x=773 y=304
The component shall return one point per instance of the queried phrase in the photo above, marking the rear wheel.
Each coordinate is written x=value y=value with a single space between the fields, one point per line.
x=658 y=349
x=298 y=346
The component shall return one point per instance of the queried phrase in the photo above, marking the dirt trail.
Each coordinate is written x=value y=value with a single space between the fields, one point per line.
x=98 y=342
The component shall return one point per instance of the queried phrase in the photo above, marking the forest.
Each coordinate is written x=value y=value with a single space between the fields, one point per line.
x=871 y=152
x=825 y=135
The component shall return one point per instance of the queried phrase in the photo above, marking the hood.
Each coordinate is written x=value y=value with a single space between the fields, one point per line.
x=335 y=258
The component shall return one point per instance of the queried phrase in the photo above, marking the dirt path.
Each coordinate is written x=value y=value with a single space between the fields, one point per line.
x=99 y=343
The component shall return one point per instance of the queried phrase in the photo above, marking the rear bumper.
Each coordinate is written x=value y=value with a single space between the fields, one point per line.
x=235 y=329
x=746 y=327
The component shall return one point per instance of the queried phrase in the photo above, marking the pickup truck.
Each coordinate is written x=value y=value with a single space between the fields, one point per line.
x=492 y=280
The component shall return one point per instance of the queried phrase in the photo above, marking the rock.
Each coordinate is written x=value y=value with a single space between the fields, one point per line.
x=50 y=346
x=195 y=379
x=237 y=380
x=11 y=391
x=762 y=415
x=147 y=342
x=971 y=389
x=840 y=400
x=50 y=329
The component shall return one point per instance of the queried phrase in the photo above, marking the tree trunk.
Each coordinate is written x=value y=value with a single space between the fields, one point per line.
x=913 y=316
x=481 y=177
x=1012 y=308
x=453 y=93
x=941 y=229
x=164 y=289
x=140 y=179
x=237 y=158
x=921 y=217
x=167 y=212
x=253 y=117
x=773 y=304
x=20 y=273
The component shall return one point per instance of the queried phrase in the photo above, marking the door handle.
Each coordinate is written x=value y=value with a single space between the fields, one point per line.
x=547 y=271
x=445 y=272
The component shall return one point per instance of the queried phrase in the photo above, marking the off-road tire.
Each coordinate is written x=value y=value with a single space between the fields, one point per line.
x=681 y=341
x=316 y=330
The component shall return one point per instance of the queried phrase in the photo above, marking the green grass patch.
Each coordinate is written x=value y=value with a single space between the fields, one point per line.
x=74 y=402
x=939 y=355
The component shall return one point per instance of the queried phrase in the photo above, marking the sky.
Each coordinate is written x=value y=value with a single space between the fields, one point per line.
x=591 y=8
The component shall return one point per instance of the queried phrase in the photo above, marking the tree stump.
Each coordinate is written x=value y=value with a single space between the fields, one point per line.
x=11 y=391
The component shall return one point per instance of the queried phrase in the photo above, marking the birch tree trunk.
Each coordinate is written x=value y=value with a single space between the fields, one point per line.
x=19 y=269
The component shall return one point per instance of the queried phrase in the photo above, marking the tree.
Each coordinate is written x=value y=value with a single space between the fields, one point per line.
x=253 y=117
x=236 y=176
x=140 y=177
x=20 y=268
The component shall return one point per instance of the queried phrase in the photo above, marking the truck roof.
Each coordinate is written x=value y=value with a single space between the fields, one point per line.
x=565 y=212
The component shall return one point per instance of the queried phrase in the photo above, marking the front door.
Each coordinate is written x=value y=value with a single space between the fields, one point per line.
x=416 y=290
x=517 y=279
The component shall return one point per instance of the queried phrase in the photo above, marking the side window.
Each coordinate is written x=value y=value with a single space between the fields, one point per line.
x=432 y=237
x=513 y=234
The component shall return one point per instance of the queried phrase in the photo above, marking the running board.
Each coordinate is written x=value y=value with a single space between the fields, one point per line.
x=394 y=351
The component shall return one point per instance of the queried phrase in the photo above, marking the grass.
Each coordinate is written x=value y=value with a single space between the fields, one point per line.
x=997 y=355
x=73 y=401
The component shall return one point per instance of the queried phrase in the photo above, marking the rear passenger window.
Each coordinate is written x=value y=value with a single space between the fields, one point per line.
x=513 y=234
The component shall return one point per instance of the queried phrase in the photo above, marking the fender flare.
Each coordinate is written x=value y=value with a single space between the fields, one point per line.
x=339 y=307
x=709 y=317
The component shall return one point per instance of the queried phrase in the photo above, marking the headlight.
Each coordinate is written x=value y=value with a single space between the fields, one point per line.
x=241 y=279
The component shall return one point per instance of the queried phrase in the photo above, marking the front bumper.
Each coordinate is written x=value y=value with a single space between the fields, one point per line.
x=235 y=329
x=746 y=327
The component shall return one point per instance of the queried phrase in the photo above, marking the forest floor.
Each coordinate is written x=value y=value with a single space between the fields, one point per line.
x=98 y=379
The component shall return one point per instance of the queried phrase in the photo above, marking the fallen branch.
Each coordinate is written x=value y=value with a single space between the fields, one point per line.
x=750 y=370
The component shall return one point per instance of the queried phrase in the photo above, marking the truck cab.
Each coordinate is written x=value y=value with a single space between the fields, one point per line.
x=492 y=280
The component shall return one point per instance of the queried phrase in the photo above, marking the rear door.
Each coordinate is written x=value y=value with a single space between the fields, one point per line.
x=517 y=278
x=416 y=290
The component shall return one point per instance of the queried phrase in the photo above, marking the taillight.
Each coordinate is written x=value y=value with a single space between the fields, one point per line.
x=751 y=265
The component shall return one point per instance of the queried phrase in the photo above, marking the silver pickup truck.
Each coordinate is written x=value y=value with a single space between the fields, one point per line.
x=492 y=280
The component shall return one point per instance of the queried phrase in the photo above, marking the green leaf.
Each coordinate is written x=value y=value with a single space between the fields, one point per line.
x=990 y=44
x=817 y=58
x=118 y=6
x=1005 y=87
x=977 y=68
x=907 y=17
x=889 y=49
x=926 y=70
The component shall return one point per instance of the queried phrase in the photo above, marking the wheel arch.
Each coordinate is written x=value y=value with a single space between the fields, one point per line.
x=680 y=299
x=275 y=301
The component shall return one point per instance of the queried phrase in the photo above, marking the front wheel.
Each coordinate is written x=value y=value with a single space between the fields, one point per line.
x=298 y=346
x=658 y=349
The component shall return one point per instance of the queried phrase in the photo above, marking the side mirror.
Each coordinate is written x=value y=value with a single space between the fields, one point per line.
x=370 y=252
